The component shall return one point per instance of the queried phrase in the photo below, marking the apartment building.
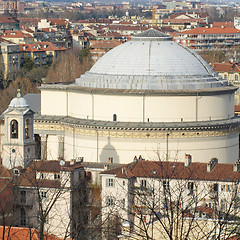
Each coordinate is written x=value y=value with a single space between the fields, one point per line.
x=42 y=53
x=209 y=38
x=146 y=194
x=99 y=48
x=10 y=57
x=51 y=194
x=17 y=37
x=231 y=72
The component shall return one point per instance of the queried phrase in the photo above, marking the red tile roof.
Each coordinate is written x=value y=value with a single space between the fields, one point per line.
x=15 y=34
x=48 y=30
x=177 y=170
x=225 y=67
x=233 y=238
x=236 y=108
x=58 y=22
x=7 y=20
x=20 y=233
x=126 y=28
x=222 y=67
x=211 y=30
x=28 y=176
x=40 y=47
x=105 y=44
x=176 y=20
x=224 y=24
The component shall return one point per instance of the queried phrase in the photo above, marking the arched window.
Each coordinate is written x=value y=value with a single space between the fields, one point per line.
x=14 y=129
x=115 y=117
x=27 y=128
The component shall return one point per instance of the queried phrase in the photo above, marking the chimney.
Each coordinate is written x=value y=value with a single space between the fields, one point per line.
x=188 y=160
x=110 y=160
x=106 y=167
x=73 y=161
x=213 y=162
x=236 y=166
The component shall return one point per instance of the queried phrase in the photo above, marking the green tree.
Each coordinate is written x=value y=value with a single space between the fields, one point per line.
x=27 y=64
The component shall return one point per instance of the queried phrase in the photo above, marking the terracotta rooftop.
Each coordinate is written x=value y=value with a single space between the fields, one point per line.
x=211 y=30
x=224 y=24
x=176 y=170
x=20 y=233
x=127 y=28
x=28 y=177
x=237 y=108
x=7 y=20
x=15 y=34
x=222 y=67
x=40 y=46
x=105 y=44
x=48 y=30
x=58 y=22
x=176 y=20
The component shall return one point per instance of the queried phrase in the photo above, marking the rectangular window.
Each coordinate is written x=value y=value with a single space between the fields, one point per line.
x=190 y=187
x=56 y=176
x=229 y=188
x=43 y=195
x=110 y=182
x=109 y=201
x=23 y=196
x=42 y=176
x=123 y=203
x=215 y=187
x=143 y=183
x=166 y=185
x=22 y=217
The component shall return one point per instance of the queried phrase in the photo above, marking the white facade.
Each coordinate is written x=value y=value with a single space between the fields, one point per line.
x=149 y=96
x=143 y=190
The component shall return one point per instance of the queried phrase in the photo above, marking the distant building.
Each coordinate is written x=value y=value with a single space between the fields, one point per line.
x=9 y=23
x=99 y=48
x=209 y=38
x=17 y=36
x=10 y=57
x=230 y=72
x=42 y=53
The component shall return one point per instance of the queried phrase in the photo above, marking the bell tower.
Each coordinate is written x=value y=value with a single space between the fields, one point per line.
x=18 y=144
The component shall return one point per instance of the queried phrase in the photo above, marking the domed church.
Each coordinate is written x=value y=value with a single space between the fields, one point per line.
x=151 y=97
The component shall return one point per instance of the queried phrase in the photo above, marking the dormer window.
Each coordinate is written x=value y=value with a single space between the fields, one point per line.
x=14 y=129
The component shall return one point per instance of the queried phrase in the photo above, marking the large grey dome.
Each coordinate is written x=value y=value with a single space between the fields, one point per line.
x=151 y=61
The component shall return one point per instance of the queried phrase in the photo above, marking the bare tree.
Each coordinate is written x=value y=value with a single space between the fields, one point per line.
x=173 y=200
x=45 y=197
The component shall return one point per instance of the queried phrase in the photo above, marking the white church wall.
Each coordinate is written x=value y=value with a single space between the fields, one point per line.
x=122 y=150
x=127 y=108
x=216 y=107
x=54 y=103
x=80 y=105
x=137 y=108
x=52 y=147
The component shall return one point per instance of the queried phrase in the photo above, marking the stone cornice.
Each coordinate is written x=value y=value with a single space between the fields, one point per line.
x=136 y=130
x=107 y=91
